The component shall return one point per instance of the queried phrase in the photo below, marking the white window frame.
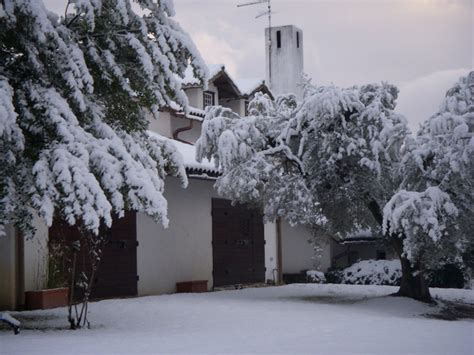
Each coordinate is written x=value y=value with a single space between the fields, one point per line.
x=209 y=98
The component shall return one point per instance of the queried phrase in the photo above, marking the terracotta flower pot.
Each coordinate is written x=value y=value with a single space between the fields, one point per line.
x=43 y=299
x=191 y=286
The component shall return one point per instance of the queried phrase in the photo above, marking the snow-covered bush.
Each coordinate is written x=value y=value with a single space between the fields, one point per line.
x=74 y=93
x=373 y=272
x=315 y=276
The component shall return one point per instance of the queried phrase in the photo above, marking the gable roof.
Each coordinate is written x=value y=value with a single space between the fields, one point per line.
x=250 y=86
x=228 y=89
x=218 y=76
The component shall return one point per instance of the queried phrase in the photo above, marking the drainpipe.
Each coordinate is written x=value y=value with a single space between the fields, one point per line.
x=279 y=252
x=177 y=131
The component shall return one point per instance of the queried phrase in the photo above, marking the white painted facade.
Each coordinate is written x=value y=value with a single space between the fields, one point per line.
x=297 y=251
x=284 y=67
x=183 y=251
x=23 y=264
x=36 y=257
x=238 y=106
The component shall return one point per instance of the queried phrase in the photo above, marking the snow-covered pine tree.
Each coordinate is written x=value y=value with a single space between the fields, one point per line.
x=74 y=93
x=337 y=159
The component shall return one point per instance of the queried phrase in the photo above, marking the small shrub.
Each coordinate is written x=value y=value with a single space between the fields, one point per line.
x=388 y=272
x=316 y=277
x=369 y=272
x=334 y=276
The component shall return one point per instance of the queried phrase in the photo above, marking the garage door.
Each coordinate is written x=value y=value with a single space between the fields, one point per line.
x=117 y=273
x=238 y=244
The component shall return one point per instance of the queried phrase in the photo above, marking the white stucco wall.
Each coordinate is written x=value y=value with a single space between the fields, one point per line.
x=238 y=106
x=297 y=250
x=323 y=261
x=271 y=261
x=22 y=272
x=183 y=251
x=191 y=135
x=195 y=97
x=213 y=88
x=36 y=258
x=162 y=125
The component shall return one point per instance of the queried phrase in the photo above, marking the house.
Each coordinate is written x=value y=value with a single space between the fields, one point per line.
x=208 y=238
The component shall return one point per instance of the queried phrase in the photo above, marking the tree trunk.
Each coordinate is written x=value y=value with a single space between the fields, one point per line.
x=413 y=284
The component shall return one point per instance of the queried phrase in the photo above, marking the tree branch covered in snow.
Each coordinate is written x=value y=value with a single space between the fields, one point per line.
x=438 y=214
x=74 y=93
x=343 y=154
x=317 y=154
x=424 y=219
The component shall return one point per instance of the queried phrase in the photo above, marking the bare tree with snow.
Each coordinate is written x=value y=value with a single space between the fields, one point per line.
x=343 y=158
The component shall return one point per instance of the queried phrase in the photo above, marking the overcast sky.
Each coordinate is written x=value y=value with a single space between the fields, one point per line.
x=422 y=46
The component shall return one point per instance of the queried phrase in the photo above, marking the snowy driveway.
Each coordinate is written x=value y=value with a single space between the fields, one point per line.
x=316 y=319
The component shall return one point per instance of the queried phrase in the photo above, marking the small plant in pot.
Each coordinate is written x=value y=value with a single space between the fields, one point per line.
x=56 y=292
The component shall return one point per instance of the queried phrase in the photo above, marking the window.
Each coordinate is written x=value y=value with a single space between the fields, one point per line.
x=381 y=255
x=246 y=108
x=297 y=40
x=278 y=39
x=209 y=98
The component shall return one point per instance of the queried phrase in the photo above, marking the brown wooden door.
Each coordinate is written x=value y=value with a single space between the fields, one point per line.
x=238 y=244
x=117 y=273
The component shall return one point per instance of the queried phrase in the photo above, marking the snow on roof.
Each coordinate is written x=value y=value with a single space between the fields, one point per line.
x=366 y=235
x=190 y=80
x=194 y=113
x=248 y=86
x=188 y=153
x=214 y=69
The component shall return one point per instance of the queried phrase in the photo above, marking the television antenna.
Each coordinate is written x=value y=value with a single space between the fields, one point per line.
x=269 y=13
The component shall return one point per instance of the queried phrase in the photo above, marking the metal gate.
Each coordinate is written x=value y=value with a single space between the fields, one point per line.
x=238 y=244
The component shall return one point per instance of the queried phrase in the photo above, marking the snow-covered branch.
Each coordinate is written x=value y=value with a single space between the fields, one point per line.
x=74 y=97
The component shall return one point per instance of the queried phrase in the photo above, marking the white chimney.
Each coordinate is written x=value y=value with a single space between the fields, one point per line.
x=284 y=67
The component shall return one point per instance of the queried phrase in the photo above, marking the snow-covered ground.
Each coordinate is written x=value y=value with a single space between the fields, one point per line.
x=316 y=319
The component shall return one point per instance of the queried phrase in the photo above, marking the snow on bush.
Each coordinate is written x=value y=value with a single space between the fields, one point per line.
x=373 y=272
x=315 y=276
